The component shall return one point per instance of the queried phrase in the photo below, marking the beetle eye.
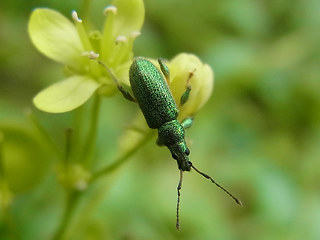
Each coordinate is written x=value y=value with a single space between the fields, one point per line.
x=187 y=151
x=174 y=156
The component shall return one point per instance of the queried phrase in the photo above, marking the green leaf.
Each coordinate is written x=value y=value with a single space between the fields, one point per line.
x=66 y=95
x=55 y=36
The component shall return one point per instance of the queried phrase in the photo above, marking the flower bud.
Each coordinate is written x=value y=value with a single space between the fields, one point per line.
x=188 y=69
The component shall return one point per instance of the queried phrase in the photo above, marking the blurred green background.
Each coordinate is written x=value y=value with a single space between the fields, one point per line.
x=258 y=135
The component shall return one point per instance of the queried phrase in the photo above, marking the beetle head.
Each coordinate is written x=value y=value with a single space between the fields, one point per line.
x=180 y=152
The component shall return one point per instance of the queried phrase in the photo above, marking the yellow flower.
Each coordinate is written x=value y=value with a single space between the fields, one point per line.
x=71 y=44
x=201 y=82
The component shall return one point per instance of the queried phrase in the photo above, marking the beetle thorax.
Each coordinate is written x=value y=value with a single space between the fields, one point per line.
x=171 y=134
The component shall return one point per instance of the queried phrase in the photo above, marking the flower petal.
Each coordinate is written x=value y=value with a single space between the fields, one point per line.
x=66 y=95
x=201 y=82
x=55 y=36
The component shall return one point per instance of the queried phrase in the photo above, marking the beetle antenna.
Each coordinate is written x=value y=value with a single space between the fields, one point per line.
x=178 y=201
x=218 y=185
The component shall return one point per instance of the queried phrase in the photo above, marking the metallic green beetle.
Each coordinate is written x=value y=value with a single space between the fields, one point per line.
x=151 y=92
x=159 y=108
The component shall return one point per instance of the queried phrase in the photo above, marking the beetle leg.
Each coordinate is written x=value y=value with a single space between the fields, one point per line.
x=164 y=69
x=185 y=96
x=127 y=95
x=187 y=123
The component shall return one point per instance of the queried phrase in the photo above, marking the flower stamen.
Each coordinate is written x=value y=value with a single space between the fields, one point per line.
x=107 y=41
x=91 y=55
x=75 y=17
x=81 y=31
x=120 y=50
x=94 y=67
x=132 y=37
x=121 y=39
x=108 y=9
x=135 y=34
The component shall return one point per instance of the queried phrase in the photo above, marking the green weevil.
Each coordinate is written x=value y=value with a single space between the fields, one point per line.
x=152 y=93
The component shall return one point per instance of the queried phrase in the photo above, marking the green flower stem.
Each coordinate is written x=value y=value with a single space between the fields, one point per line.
x=83 y=35
x=73 y=197
x=122 y=159
x=69 y=133
x=1 y=157
x=72 y=200
x=95 y=197
x=44 y=134
x=78 y=114
x=8 y=226
x=91 y=138
x=4 y=209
